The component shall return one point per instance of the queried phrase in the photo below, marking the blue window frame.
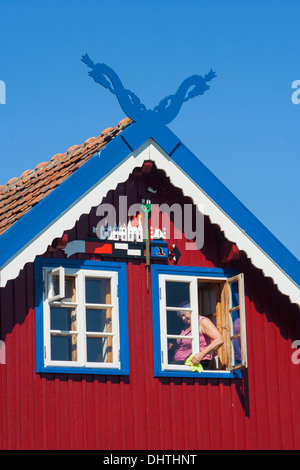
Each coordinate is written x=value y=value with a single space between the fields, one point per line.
x=197 y=288
x=81 y=317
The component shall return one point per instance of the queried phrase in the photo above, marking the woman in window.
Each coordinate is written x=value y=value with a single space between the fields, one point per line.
x=210 y=339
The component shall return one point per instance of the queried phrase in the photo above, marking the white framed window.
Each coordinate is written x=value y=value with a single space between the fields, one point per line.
x=187 y=302
x=233 y=323
x=56 y=283
x=177 y=294
x=81 y=318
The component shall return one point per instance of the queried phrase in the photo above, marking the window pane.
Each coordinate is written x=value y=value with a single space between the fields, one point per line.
x=172 y=345
x=234 y=294
x=70 y=289
x=62 y=318
x=235 y=322
x=98 y=320
x=207 y=298
x=236 y=342
x=177 y=293
x=236 y=346
x=175 y=321
x=55 y=285
x=99 y=350
x=179 y=350
x=63 y=348
x=97 y=291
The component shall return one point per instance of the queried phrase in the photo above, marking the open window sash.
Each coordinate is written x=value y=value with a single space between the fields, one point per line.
x=234 y=323
x=193 y=336
x=56 y=284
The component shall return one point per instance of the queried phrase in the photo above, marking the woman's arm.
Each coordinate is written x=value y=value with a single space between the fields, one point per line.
x=208 y=328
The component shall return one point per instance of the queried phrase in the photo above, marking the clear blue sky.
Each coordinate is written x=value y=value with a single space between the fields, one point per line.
x=245 y=129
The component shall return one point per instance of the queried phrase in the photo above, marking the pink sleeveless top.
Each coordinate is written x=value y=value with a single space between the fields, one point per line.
x=184 y=346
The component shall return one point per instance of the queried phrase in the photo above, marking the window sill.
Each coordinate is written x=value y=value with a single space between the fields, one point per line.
x=81 y=370
x=201 y=375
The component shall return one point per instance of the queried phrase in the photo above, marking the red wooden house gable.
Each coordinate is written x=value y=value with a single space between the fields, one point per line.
x=140 y=410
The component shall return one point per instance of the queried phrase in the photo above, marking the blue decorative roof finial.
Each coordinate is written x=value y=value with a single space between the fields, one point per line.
x=167 y=109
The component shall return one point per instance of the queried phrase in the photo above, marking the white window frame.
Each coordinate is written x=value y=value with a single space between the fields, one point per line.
x=239 y=279
x=193 y=281
x=60 y=272
x=80 y=304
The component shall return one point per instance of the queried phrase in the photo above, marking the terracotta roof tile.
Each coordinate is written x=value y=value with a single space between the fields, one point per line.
x=19 y=195
x=58 y=155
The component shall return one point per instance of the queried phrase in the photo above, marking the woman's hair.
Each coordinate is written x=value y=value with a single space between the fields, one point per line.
x=185 y=304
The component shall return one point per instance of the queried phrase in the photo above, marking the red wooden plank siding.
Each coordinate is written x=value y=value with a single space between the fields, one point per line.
x=65 y=411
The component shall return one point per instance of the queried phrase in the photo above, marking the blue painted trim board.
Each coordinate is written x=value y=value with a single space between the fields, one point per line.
x=184 y=271
x=121 y=268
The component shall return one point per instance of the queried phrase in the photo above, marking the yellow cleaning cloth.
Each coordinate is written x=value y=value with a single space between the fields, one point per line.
x=194 y=368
